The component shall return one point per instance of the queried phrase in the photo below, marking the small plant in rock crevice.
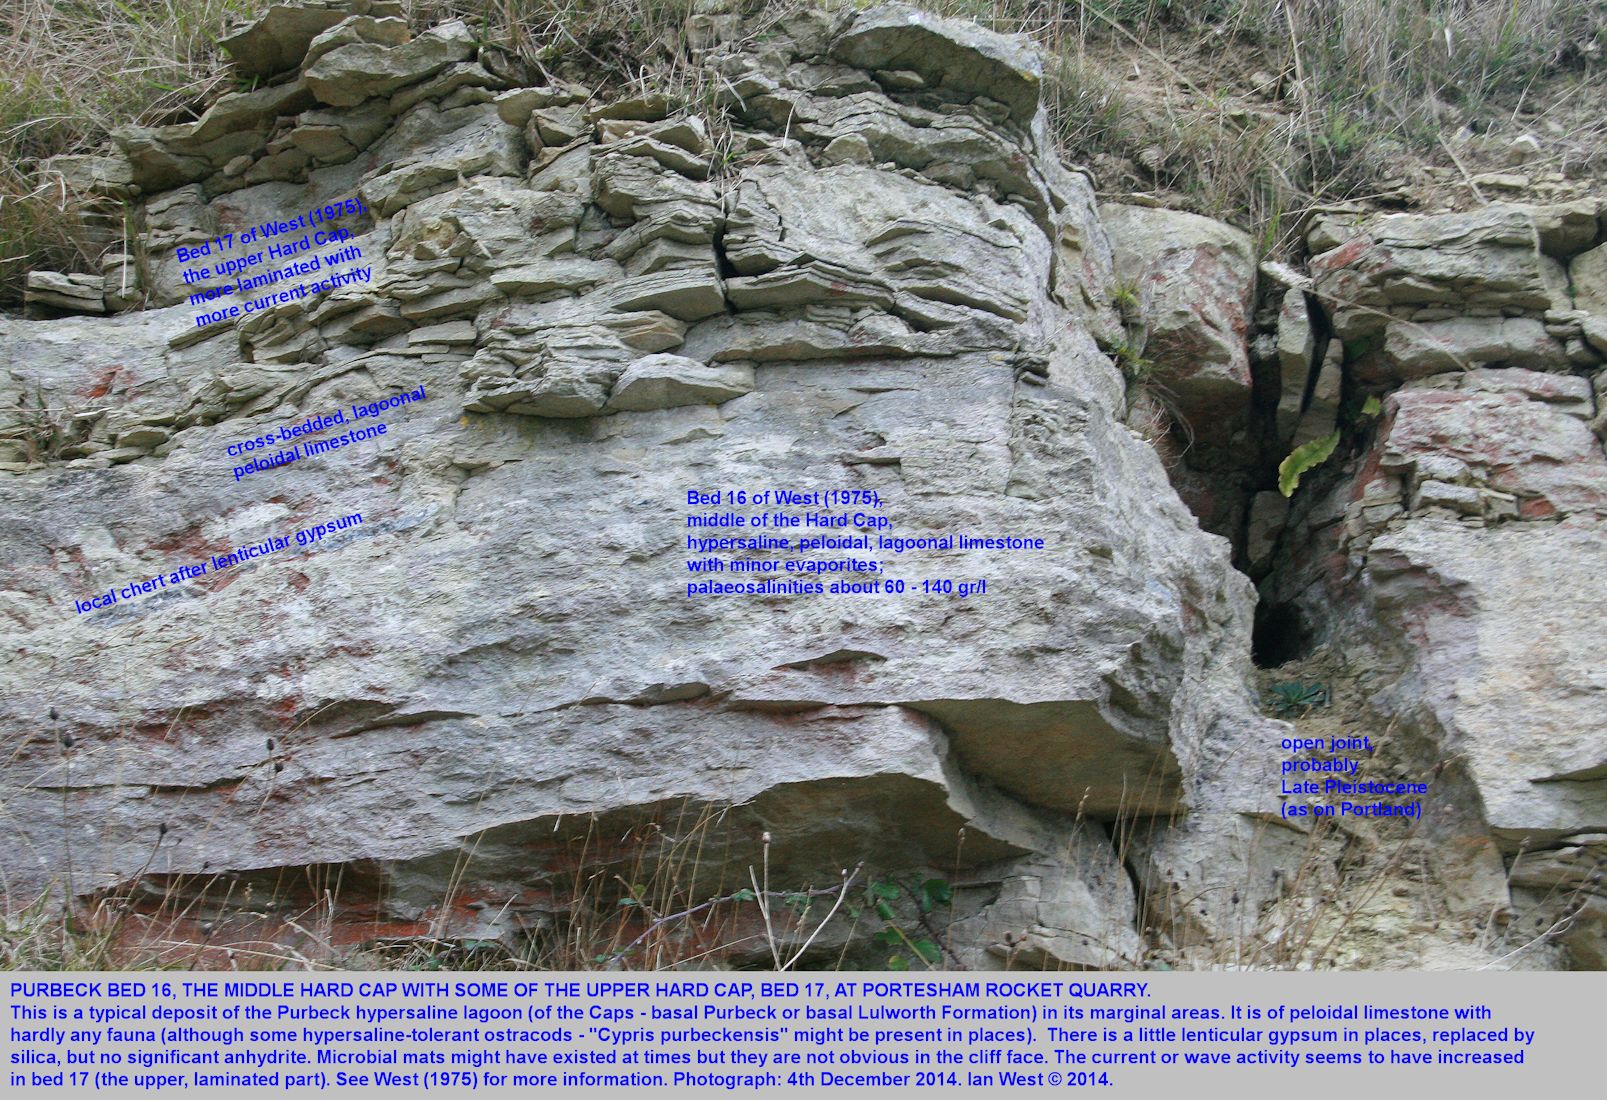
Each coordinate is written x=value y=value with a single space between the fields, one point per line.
x=910 y=945
x=1295 y=697
x=41 y=432
x=1304 y=458
x=1129 y=355
x=1125 y=296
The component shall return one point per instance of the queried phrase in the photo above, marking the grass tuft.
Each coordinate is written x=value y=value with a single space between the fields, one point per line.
x=71 y=71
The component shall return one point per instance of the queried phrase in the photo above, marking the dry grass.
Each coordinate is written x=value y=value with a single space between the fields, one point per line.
x=1162 y=92
x=612 y=40
x=70 y=71
x=76 y=68
x=650 y=891
x=1356 y=83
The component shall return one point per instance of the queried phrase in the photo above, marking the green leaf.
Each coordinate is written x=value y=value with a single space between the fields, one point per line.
x=1355 y=349
x=1303 y=458
x=744 y=894
x=1293 y=697
x=929 y=952
x=935 y=892
x=898 y=962
x=624 y=902
x=884 y=889
x=884 y=910
x=1372 y=406
x=134 y=14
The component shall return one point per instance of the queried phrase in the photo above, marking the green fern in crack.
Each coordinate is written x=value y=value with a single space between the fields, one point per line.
x=1305 y=457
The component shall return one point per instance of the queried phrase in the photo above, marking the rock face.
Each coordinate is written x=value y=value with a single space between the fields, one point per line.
x=279 y=38
x=1415 y=296
x=668 y=381
x=1455 y=551
x=867 y=297
x=72 y=293
x=1193 y=277
x=489 y=671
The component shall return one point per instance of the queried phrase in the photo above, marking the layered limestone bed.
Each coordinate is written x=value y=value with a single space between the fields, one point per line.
x=863 y=267
x=1458 y=554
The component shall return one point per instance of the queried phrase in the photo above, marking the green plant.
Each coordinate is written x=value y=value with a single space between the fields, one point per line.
x=1303 y=458
x=74 y=70
x=1291 y=697
x=1125 y=297
x=42 y=433
x=1128 y=353
x=1358 y=410
x=921 y=943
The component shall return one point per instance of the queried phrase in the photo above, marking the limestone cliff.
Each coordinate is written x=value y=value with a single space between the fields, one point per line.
x=852 y=260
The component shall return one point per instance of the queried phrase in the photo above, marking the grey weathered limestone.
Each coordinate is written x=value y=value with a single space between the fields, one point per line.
x=1594 y=331
x=1420 y=349
x=351 y=73
x=1055 y=912
x=1463 y=530
x=432 y=148
x=121 y=285
x=1415 y=295
x=539 y=303
x=354 y=31
x=1268 y=513
x=1587 y=273
x=90 y=174
x=278 y=39
x=1193 y=277
x=947 y=54
x=248 y=110
x=1302 y=417
x=1455 y=572
x=76 y=293
x=1296 y=341
x=894 y=285
x=665 y=381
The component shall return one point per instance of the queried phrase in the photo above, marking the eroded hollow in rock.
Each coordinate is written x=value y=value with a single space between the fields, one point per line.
x=1281 y=635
